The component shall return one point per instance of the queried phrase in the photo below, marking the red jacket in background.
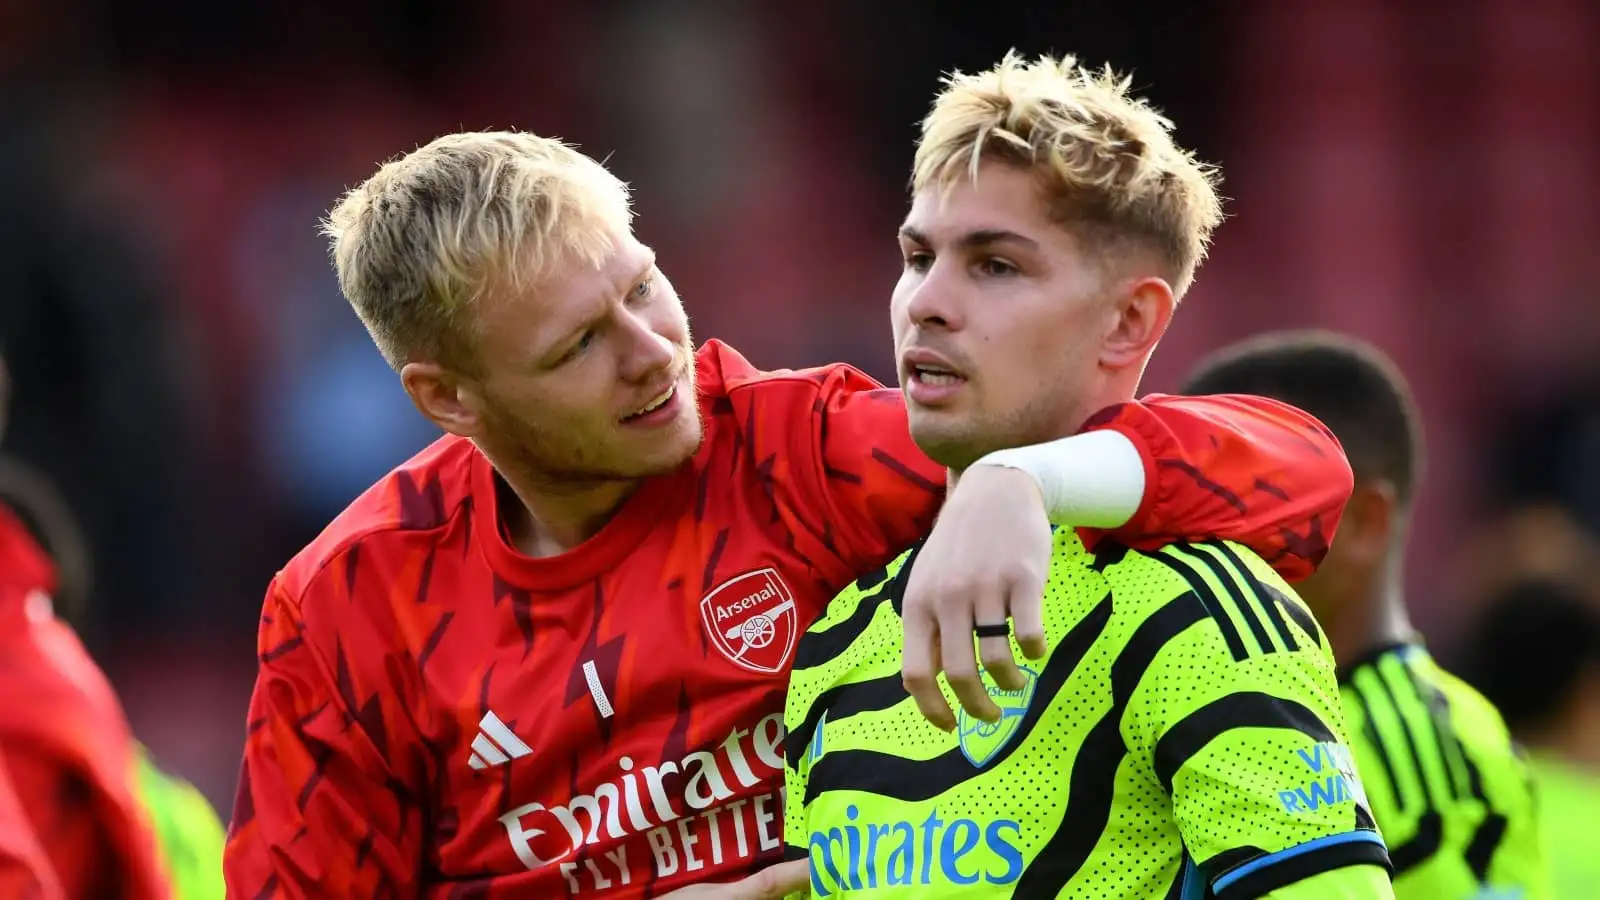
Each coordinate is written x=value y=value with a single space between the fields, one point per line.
x=64 y=740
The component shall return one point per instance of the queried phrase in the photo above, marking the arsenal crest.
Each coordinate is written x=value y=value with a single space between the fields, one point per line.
x=751 y=620
x=981 y=740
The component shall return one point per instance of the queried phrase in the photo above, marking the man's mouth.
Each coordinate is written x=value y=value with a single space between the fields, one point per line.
x=654 y=404
x=935 y=376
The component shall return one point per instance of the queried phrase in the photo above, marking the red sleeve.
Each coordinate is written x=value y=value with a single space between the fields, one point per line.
x=24 y=872
x=1242 y=468
x=883 y=492
x=319 y=812
x=840 y=452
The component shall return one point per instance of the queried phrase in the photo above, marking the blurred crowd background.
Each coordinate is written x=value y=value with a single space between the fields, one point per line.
x=1423 y=174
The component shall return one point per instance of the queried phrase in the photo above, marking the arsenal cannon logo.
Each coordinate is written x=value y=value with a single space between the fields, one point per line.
x=752 y=620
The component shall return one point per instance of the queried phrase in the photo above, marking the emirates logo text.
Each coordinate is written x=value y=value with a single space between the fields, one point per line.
x=685 y=809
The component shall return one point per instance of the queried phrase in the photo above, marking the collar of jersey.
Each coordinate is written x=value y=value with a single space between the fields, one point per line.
x=897 y=585
x=1371 y=656
x=656 y=503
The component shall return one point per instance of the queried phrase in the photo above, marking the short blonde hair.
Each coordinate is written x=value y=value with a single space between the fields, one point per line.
x=1105 y=159
x=434 y=231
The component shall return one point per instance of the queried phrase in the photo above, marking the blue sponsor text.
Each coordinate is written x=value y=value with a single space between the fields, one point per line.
x=864 y=855
x=1334 y=780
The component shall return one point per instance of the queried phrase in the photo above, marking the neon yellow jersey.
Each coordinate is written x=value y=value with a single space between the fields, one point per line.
x=1183 y=739
x=188 y=832
x=1568 y=801
x=1450 y=793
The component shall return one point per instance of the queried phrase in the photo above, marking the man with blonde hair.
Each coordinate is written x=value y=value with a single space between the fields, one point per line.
x=547 y=656
x=1183 y=738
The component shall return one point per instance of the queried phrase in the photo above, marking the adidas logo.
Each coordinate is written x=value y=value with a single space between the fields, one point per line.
x=495 y=745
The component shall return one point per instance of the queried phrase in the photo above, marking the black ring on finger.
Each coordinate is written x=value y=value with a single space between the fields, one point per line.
x=1002 y=629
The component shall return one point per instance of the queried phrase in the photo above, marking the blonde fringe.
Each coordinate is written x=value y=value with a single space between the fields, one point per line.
x=433 y=232
x=1106 y=157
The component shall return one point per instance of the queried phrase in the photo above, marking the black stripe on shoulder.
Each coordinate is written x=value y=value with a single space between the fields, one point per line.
x=1231 y=585
x=897 y=778
x=838 y=702
x=1486 y=839
x=1364 y=818
x=1297 y=611
x=1107 y=554
x=872 y=579
x=1374 y=736
x=1209 y=601
x=1485 y=843
x=1245 y=709
x=1093 y=775
x=1423 y=845
x=1368 y=658
x=897 y=594
x=1452 y=757
x=1325 y=856
x=1273 y=603
x=1412 y=744
x=817 y=647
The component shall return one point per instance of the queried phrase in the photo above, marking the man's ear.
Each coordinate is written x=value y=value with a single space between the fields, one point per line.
x=1366 y=530
x=1141 y=312
x=443 y=397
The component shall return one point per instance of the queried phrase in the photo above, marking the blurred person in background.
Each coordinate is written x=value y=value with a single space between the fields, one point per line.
x=582 y=603
x=1535 y=651
x=1545 y=496
x=1448 y=790
x=1546 y=452
x=93 y=353
x=1534 y=539
x=109 y=822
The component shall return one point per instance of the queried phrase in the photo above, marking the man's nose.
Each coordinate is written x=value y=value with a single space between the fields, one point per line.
x=934 y=300
x=647 y=351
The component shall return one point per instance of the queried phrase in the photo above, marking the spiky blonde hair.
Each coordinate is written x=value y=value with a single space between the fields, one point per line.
x=433 y=232
x=1104 y=158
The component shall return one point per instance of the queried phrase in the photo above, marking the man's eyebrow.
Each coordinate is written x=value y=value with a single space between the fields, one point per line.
x=639 y=274
x=649 y=264
x=603 y=301
x=599 y=305
x=982 y=237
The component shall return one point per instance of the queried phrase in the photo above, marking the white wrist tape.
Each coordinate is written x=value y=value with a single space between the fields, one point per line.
x=1090 y=480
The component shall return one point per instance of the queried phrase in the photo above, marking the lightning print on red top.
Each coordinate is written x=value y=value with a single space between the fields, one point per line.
x=438 y=715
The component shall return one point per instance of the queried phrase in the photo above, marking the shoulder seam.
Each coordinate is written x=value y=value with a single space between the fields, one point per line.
x=792 y=376
x=352 y=541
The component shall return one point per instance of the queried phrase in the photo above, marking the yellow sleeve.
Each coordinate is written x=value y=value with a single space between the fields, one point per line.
x=187 y=831
x=1350 y=883
x=794 y=815
x=797 y=764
